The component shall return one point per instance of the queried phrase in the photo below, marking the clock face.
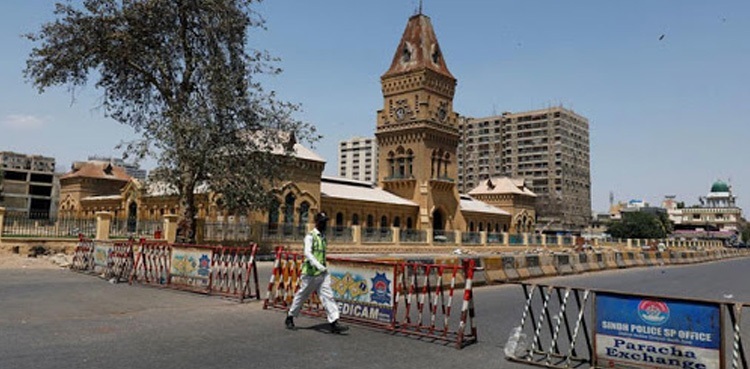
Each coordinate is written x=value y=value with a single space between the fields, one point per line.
x=400 y=113
x=442 y=114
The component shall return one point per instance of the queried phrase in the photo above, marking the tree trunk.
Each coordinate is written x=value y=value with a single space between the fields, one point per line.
x=186 y=227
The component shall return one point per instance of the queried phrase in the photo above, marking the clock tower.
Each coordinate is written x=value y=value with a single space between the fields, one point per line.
x=417 y=130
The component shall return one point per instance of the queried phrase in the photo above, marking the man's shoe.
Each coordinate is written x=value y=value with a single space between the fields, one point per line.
x=289 y=322
x=338 y=328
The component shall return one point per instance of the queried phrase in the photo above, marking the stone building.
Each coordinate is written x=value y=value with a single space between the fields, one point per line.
x=416 y=190
x=511 y=194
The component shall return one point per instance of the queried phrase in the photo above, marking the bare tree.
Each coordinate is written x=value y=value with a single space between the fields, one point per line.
x=181 y=73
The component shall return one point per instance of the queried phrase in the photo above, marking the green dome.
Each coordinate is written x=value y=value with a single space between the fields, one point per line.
x=719 y=186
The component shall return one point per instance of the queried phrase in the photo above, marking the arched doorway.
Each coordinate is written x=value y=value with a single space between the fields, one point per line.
x=438 y=223
x=132 y=217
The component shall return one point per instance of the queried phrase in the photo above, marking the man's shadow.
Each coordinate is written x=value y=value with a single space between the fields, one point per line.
x=321 y=328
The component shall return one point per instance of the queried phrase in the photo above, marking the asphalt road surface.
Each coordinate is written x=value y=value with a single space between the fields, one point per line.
x=60 y=319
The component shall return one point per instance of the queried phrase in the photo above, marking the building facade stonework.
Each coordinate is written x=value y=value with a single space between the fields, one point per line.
x=416 y=190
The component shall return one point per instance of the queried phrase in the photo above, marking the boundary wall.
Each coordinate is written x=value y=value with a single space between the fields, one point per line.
x=511 y=267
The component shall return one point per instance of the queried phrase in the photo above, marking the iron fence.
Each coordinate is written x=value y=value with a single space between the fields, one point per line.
x=551 y=239
x=377 y=235
x=25 y=225
x=471 y=238
x=339 y=234
x=413 y=236
x=515 y=239
x=283 y=232
x=495 y=238
x=538 y=239
x=124 y=228
x=442 y=236
x=227 y=231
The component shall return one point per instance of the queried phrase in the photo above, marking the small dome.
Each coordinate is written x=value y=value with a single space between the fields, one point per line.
x=719 y=186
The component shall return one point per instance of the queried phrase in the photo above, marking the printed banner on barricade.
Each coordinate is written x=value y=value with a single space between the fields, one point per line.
x=191 y=267
x=364 y=290
x=101 y=254
x=642 y=332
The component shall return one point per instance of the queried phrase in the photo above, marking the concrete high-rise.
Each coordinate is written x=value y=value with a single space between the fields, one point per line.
x=549 y=148
x=358 y=159
x=27 y=184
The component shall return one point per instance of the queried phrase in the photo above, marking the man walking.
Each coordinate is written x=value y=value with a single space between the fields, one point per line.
x=315 y=277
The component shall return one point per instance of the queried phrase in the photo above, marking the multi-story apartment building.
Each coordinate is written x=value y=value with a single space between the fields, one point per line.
x=27 y=184
x=358 y=159
x=549 y=148
x=479 y=151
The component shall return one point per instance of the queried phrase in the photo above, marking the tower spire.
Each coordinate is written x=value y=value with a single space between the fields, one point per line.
x=420 y=7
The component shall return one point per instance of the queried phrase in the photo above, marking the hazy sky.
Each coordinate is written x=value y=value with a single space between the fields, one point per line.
x=665 y=84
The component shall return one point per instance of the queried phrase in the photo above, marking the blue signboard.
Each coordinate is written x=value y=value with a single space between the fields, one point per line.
x=643 y=332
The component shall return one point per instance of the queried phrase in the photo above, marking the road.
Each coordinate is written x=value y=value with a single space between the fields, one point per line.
x=59 y=319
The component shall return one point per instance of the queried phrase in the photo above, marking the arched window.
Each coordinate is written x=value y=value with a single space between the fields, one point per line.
x=273 y=213
x=481 y=227
x=289 y=209
x=446 y=160
x=391 y=165
x=383 y=222
x=409 y=163
x=401 y=161
x=437 y=220
x=370 y=221
x=434 y=163
x=304 y=212
x=339 y=219
x=397 y=222
x=355 y=219
x=132 y=217
x=409 y=224
x=471 y=226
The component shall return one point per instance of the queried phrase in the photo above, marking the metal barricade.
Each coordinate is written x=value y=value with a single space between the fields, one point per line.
x=234 y=272
x=83 y=257
x=120 y=262
x=566 y=327
x=152 y=263
x=417 y=299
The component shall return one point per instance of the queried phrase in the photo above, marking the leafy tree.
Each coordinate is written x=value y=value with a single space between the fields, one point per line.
x=641 y=225
x=744 y=231
x=182 y=74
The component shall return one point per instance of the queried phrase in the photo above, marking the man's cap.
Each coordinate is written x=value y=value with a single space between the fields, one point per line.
x=321 y=217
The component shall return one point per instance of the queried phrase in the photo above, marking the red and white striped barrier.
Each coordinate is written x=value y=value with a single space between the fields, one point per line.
x=120 y=261
x=411 y=298
x=152 y=264
x=234 y=272
x=83 y=257
x=213 y=270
